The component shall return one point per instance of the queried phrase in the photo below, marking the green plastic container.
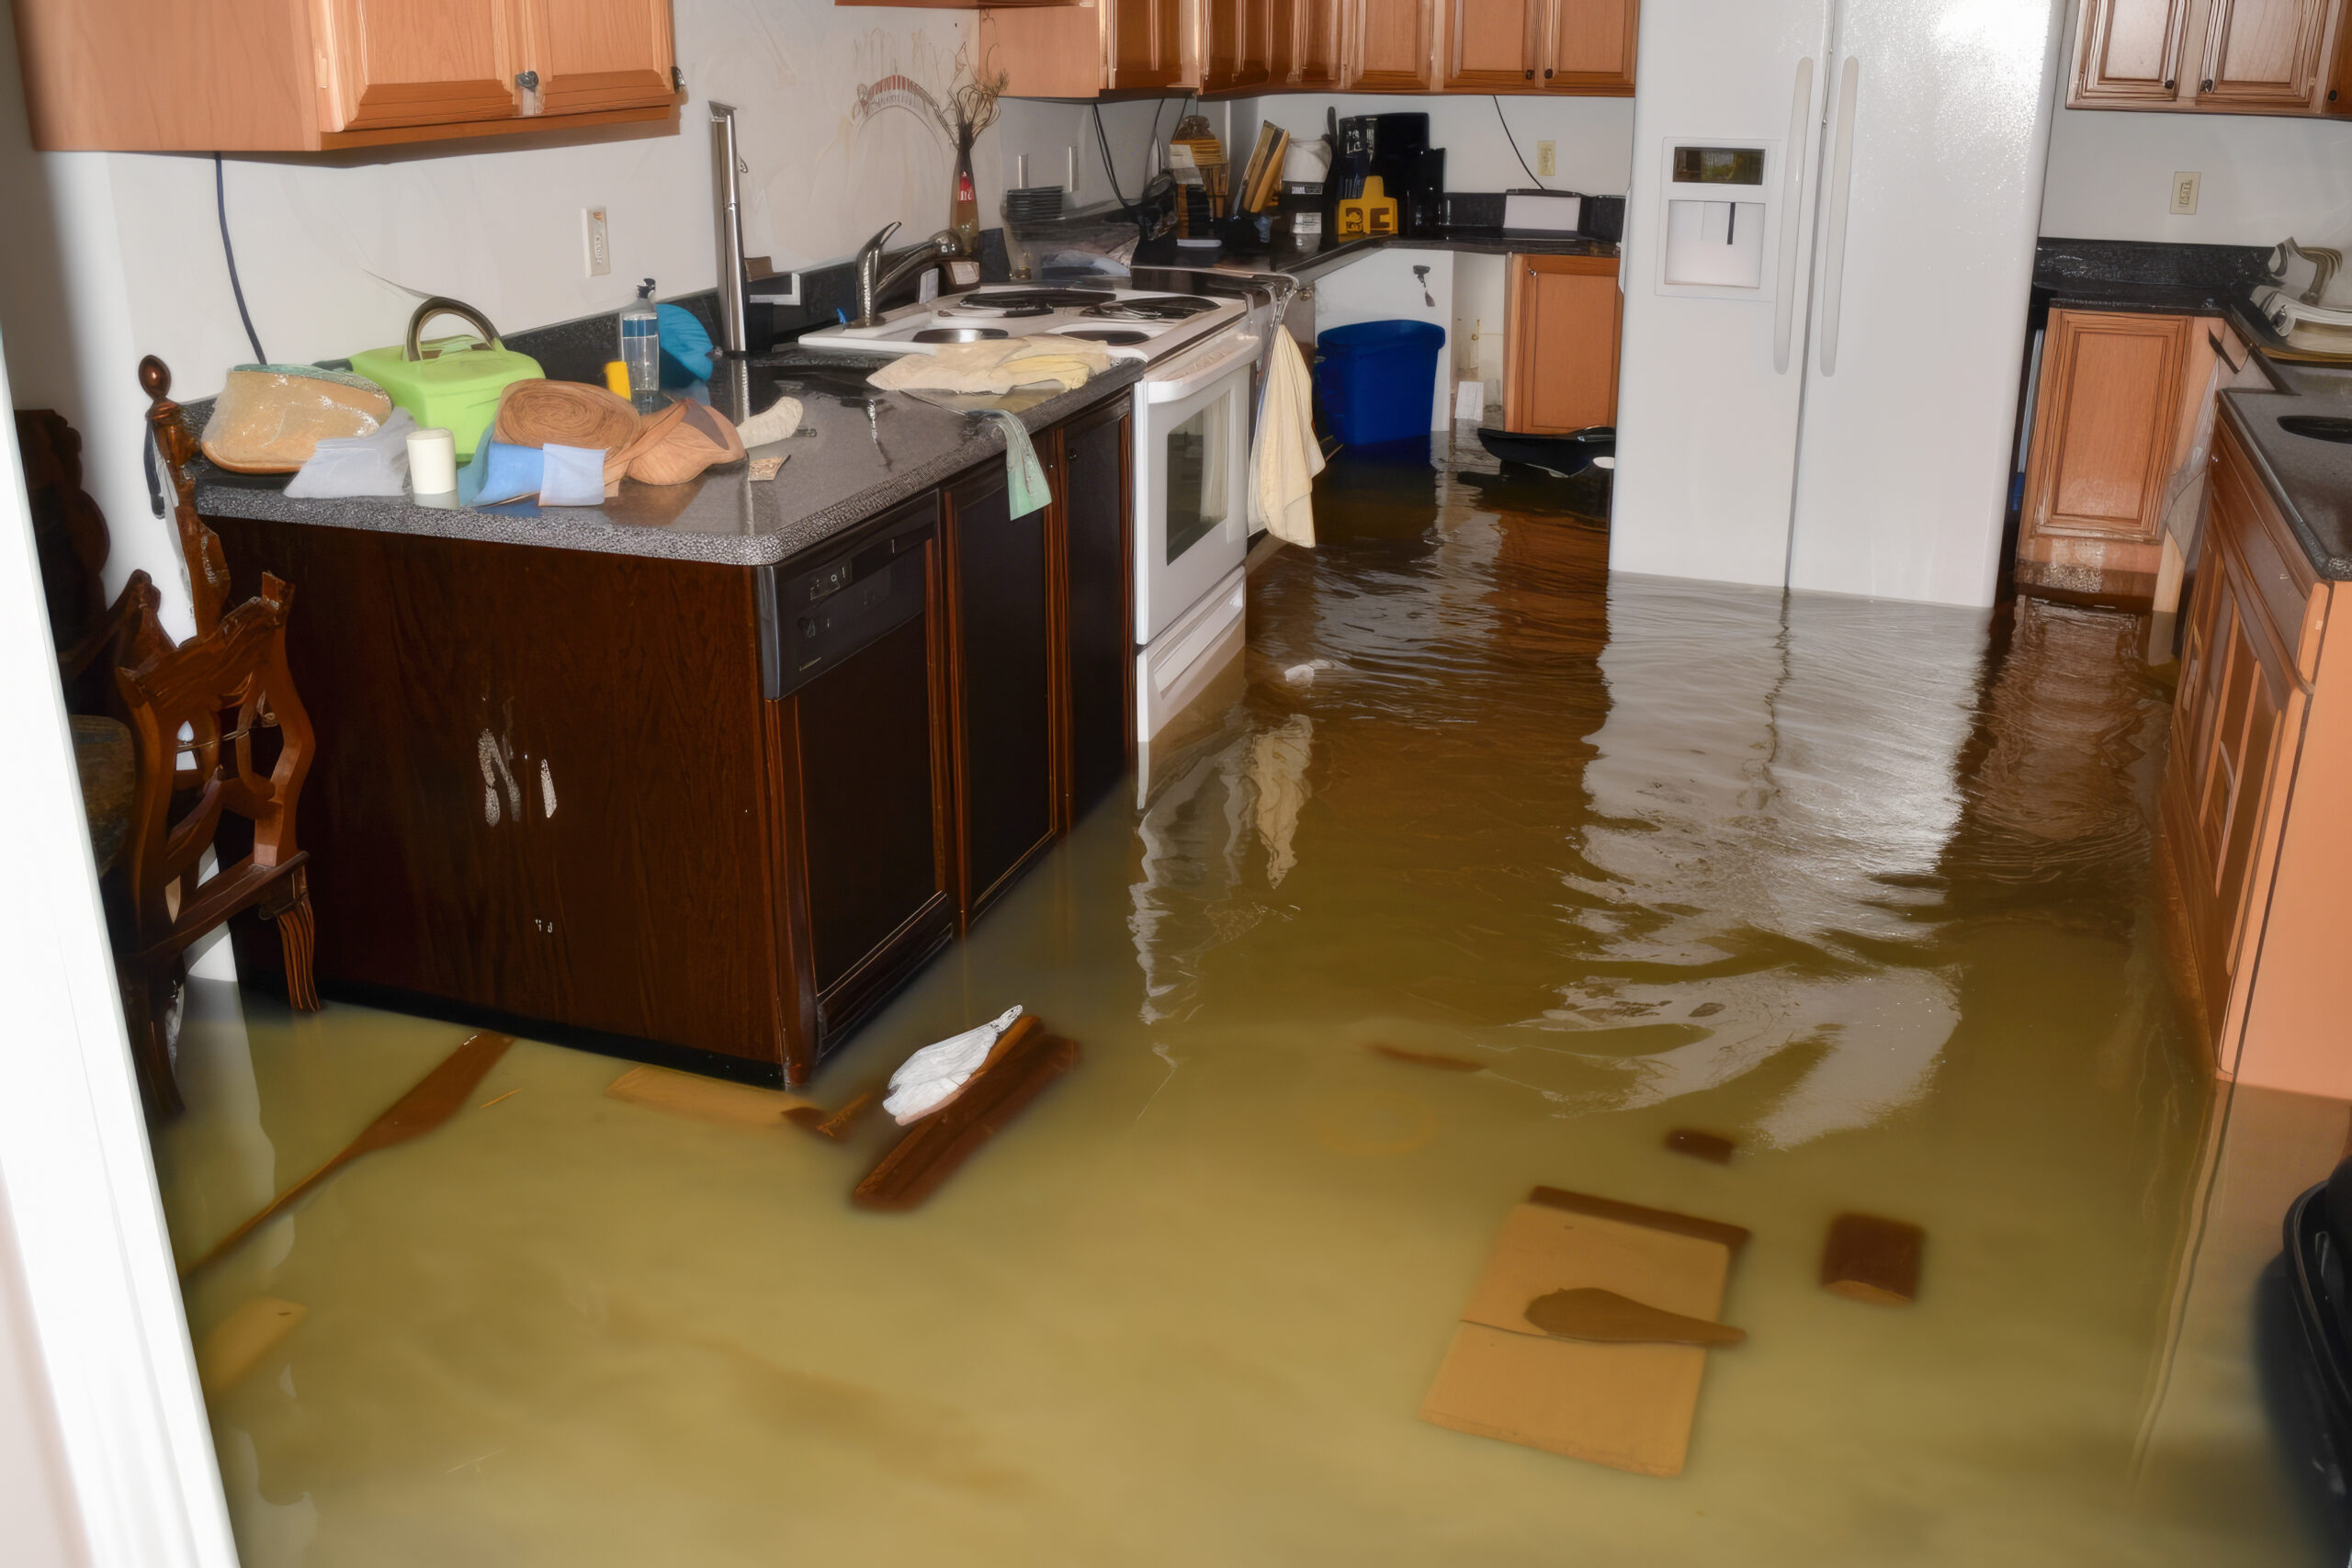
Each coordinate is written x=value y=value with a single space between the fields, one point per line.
x=453 y=382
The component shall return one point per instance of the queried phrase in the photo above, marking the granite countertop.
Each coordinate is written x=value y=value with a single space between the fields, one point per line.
x=2310 y=478
x=858 y=452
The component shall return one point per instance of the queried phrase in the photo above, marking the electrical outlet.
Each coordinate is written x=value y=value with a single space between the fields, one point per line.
x=600 y=242
x=1546 y=162
x=2184 y=194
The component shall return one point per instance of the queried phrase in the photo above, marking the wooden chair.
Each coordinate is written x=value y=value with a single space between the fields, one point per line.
x=178 y=701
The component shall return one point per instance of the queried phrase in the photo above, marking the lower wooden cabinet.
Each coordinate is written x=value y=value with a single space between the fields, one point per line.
x=1098 y=615
x=1560 y=359
x=2107 y=436
x=1001 y=625
x=2256 y=792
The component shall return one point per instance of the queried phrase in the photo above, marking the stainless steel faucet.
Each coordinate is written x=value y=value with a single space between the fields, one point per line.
x=873 y=281
x=725 y=164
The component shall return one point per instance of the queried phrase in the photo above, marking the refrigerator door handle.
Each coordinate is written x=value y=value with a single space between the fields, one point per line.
x=1841 y=185
x=1784 y=313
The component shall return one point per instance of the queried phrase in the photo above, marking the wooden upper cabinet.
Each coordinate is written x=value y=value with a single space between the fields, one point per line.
x=2130 y=52
x=398 y=63
x=311 y=76
x=1146 y=46
x=1241 y=43
x=598 y=54
x=2214 y=56
x=2262 y=53
x=1591 y=47
x=1315 y=44
x=1491 y=45
x=2337 y=97
x=1392 y=47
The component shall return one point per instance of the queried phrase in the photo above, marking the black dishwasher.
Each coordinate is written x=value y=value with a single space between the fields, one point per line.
x=846 y=648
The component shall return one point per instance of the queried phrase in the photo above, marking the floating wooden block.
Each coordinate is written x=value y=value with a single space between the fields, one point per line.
x=1429 y=1059
x=241 y=1339
x=1873 y=1259
x=706 y=1100
x=1713 y=1147
x=836 y=1126
x=1628 y=1406
x=934 y=1147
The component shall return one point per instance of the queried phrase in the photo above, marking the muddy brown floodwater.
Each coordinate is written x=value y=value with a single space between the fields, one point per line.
x=1497 y=872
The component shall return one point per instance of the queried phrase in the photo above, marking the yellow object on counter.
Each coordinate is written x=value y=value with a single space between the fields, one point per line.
x=617 y=378
x=1373 y=213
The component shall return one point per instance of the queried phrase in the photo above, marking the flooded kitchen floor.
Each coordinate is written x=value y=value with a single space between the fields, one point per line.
x=1863 y=886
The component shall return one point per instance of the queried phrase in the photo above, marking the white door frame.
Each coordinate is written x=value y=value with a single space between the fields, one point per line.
x=76 y=1174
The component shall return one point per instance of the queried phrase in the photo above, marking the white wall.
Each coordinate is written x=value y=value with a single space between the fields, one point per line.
x=2265 y=177
x=1594 y=136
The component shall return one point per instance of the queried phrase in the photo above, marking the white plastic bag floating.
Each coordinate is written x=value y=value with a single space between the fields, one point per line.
x=925 y=1080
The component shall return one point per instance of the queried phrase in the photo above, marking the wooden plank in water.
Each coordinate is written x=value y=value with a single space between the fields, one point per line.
x=1872 y=1259
x=240 y=1340
x=706 y=1100
x=934 y=1147
x=1713 y=1147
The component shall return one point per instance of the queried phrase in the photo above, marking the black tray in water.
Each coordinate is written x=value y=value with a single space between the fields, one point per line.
x=2318 y=426
x=1562 y=454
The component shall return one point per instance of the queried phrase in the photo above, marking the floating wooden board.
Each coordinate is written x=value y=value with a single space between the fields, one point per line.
x=706 y=1100
x=1626 y=1406
x=240 y=1340
x=1713 y=1147
x=1872 y=1259
x=931 y=1149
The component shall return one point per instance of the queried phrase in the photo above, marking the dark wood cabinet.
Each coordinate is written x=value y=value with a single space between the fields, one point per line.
x=1001 y=634
x=1098 y=595
x=702 y=814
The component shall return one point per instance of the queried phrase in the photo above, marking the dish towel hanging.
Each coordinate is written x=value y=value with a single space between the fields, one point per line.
x=1286 y=458
x=1024 y=477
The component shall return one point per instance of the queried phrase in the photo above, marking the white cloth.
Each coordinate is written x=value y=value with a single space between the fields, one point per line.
x=356 y=465
x=930 y=1077
x=771 y=423
x=1286 y=457
x=998 y=365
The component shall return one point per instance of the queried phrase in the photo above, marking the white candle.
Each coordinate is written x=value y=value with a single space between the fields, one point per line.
x=432 y=462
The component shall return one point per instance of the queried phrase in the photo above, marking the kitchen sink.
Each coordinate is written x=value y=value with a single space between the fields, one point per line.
x=2318 y=426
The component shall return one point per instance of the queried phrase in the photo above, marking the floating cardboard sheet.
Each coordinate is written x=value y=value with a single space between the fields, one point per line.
x=1626 y=1406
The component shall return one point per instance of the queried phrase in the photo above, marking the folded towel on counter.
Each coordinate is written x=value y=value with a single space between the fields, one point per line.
x=553 y=475
x=358 y=465
x=1024 y=477
x=997 y=367
x=774 y=422
x=1284 y=463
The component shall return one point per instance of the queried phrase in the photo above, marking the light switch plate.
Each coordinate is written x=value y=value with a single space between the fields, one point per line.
x=1546 y=158
x=2184 y=193
x=600 y=242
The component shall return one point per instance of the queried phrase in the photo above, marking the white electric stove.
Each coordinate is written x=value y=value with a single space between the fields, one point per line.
x=1132 y=324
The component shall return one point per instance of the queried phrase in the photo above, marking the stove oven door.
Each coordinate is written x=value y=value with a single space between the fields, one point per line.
x=1191 y=473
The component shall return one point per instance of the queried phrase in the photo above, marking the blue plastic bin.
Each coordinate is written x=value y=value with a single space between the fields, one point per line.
x=1379 y=380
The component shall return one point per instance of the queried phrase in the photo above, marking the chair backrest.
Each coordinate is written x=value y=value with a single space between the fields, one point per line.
x=237 y=670
x=207 y=567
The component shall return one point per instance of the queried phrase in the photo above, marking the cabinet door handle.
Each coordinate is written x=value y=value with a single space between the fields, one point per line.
x=2207 y=85
x=1547 y=73
x=1531 y=75
x=2170 y=83
x=527 y=80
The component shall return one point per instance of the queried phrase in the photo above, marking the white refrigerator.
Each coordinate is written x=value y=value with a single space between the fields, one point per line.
x=1828 y=249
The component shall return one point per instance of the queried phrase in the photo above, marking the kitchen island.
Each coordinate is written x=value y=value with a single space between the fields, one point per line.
x=703 y=774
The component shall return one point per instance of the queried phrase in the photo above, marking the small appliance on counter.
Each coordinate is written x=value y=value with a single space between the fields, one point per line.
x=2292 y=301
x=452 y=383
x=1394 y=150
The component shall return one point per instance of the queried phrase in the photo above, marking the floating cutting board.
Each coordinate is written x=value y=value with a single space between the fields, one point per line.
x=1626 y=1406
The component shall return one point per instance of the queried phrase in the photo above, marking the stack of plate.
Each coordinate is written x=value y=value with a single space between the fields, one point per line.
x=1033 y=204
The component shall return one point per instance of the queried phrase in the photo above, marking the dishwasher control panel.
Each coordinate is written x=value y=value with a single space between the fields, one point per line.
x=816 y=617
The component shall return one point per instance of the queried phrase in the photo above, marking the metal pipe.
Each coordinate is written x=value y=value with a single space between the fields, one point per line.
x=727 y=197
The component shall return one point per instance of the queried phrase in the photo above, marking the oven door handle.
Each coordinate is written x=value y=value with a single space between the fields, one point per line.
x=1244 y=350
